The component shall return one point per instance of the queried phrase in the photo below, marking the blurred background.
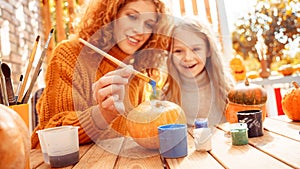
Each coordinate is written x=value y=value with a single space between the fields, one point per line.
x=253 y=34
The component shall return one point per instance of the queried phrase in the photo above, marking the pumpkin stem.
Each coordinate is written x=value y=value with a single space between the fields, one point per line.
x=247 y=82
x=158 y=104
x=295 y=84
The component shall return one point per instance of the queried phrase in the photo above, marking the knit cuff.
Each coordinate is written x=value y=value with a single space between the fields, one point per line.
x=89 y=125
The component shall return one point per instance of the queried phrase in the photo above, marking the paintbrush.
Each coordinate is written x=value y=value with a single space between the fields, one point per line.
x=9 y=88
x=18 y=88
x=28 y=92
x=1 y=99
x=37 y=69
x=3 y=86
x=163 y=161
x=121 y=64
x=31 y=59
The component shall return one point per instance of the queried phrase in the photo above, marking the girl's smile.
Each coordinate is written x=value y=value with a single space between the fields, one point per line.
x=190 y=52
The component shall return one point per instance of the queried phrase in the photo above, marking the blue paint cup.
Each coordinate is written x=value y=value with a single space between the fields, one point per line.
x=200 y=123
x=173 y=140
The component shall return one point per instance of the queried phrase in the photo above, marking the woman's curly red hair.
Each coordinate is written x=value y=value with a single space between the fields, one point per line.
x=98 y=16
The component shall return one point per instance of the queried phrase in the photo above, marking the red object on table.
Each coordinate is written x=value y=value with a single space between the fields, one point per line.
x=278 y=101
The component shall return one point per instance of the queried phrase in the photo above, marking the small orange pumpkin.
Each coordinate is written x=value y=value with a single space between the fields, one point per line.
x=238 y=69
x=286 y=70
x=291 y=103
x=252 y=75
x=142 y=121
x=245 y=97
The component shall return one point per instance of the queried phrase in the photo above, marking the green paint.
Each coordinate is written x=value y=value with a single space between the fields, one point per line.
x=239 y=137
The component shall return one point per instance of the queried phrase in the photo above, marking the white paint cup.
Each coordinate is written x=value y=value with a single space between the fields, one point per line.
x=60 y=145
x=202 y=139
x=43 y=146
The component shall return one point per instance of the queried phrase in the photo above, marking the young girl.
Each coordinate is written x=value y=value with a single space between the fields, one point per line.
x=119 y=27
x=197 y=78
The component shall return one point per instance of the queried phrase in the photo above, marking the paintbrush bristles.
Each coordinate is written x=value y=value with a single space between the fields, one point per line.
x=21 y=78
x=49 y=38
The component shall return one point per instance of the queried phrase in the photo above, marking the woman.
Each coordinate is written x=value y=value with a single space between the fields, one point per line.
x=119 y=27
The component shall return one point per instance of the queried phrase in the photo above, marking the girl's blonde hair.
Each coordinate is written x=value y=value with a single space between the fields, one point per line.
x=97 y=19
x=221 y=81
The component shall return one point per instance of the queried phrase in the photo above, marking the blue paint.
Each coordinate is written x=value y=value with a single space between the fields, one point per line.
x=153 y=85
x=201 y=123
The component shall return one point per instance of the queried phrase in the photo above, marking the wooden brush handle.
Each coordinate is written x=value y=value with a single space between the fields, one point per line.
x=113 y=59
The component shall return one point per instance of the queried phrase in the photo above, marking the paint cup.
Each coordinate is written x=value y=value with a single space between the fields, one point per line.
x=173 y=140
x=62 y=145
x=239 y=134
x=202 y=139
x=253 y=118
x=43 y=146
x=200 y=123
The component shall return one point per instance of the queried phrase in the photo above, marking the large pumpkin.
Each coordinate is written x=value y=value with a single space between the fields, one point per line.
x=245 y=96
x=15 y=142
x=142 y=122
x=291 y=103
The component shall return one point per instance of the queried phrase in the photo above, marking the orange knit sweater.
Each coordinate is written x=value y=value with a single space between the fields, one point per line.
x=67 y=98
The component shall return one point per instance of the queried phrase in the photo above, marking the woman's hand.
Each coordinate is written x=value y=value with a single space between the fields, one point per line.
x=109 y=92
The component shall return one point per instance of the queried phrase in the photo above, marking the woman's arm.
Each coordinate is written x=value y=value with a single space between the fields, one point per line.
x=67 y=98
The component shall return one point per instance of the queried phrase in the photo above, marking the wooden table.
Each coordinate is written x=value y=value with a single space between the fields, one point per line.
x=279 y=147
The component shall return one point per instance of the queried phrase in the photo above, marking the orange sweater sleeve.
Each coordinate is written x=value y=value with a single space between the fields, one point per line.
x=67 y=98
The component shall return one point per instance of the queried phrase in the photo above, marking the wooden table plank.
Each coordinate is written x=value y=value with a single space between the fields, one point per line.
x=244 y=156
x=101 y=155
x=277 y=143
x=36 y=158
x=194 y=159
x=282 y=148
x=82 y=150
x=283 y=127
x=144 y=163
x=133 y=155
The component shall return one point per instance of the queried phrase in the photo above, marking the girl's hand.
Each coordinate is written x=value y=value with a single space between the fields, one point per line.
x=109 y=92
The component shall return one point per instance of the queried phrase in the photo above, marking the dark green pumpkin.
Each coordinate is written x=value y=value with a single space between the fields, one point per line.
x=248 y=94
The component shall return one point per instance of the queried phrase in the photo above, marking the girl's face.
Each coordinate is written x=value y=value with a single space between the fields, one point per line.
x=189 y=53
x=134 y=25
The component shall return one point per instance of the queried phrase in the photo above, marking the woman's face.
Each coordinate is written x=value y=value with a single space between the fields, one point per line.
x=134 y=25
x=189 y=53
